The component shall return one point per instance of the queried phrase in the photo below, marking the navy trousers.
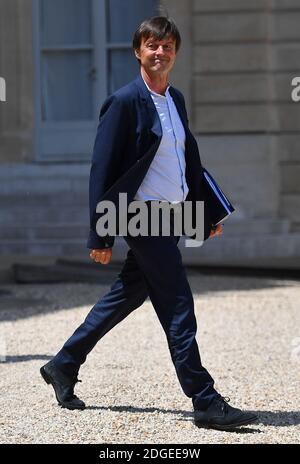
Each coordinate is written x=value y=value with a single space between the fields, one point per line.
x=153 y=268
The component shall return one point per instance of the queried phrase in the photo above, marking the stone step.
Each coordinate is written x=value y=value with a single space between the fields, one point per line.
x=27 y=273
x=30 y=216
x=40 y=199
x=268 y=251
x=37 y=225
x=282 y=250
x=44 y=231
x=43 y=178
x=57 y=248
x=68 y=270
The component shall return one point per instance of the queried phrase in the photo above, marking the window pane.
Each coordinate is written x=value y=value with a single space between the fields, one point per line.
x=124 y=17
x=123 y=67
x=65 y=22
x=66 y=86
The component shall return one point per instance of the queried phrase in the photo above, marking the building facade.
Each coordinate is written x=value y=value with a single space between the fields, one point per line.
x=61 y=58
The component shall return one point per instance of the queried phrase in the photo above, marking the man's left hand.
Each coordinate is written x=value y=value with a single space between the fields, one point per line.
x=216 y=231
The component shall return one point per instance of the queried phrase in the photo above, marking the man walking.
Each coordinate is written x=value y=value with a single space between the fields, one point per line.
x=144 y=148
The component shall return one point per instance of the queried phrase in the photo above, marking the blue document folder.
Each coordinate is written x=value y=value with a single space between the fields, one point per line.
x=220 y=208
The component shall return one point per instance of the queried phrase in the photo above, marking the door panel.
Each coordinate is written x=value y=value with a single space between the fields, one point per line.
x=66 y=86
x=83 y=53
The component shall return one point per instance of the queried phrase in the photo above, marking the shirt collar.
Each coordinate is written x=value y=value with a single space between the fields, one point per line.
x=157 y=94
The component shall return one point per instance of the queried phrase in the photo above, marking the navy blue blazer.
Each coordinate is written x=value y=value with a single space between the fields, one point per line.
x=128 y=136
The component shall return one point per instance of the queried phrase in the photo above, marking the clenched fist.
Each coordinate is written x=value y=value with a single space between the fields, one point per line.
x=102 y=256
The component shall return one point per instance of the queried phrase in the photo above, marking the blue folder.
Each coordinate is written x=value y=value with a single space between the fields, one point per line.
x=220 y=208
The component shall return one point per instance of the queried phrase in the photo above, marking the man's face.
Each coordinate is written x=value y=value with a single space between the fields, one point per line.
x=157 y=56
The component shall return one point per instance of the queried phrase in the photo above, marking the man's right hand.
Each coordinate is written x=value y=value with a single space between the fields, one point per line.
x=102 y=256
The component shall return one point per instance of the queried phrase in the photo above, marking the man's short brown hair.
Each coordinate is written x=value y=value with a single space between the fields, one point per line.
x=159 y=27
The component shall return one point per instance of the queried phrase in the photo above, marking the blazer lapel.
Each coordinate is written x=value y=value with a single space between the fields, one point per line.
x=179 y=108
x=150 y=112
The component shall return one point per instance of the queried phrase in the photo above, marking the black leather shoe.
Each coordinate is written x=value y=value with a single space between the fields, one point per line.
x=221 y=416
x=63 y=386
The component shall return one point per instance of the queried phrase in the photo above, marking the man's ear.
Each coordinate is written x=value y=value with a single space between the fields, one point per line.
x=137 y=53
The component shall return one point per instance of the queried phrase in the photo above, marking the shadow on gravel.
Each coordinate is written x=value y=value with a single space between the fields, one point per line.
x=18 y=301
x=24 y=358
x=266 y=418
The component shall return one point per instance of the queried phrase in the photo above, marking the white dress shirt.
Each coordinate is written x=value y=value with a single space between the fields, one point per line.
x=165 y=178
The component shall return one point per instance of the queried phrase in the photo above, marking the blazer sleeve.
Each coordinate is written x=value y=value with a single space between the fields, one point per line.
x=110 y=143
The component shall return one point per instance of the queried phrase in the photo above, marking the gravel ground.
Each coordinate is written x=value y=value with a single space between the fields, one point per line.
x=249 y=339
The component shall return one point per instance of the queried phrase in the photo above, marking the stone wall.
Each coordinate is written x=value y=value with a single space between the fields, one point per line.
x=242 y=58
x=16 y=66
x=235 y=68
